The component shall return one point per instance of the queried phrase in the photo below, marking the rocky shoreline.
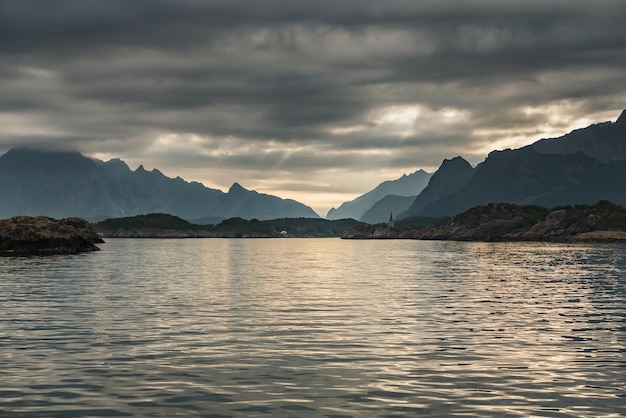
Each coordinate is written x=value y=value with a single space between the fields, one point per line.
x=602 y=222
x=40 y=235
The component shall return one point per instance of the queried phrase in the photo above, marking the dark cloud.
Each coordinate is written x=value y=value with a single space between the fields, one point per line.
x=309 y=92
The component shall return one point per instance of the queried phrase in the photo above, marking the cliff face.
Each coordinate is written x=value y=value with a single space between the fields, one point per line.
x=23 y=235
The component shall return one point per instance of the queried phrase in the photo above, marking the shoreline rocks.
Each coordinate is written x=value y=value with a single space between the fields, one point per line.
x=40 y=235
x=602 y=222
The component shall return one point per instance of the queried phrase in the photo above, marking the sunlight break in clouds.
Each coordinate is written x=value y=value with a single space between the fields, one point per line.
x=334 y=97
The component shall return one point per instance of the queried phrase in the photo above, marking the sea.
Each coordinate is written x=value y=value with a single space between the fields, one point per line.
x=315 y=328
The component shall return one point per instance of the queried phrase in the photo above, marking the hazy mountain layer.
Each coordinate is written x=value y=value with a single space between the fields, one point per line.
x=388 y=205
x=62 y=184
x=407 y=185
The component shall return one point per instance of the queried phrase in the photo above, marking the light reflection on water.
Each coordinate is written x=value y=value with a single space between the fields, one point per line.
x=315 y=327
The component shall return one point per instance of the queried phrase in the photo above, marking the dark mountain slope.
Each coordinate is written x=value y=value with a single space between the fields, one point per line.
x=62 y=184
x=451 y=176
x=581 y=167
x=525 y=176
x=58 y=184
x=604 y=141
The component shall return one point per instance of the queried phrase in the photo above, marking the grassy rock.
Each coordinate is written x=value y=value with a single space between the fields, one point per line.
x=24 y=235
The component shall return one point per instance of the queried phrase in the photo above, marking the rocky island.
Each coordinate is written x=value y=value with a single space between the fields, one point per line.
x=40 y=235
x=602 y=222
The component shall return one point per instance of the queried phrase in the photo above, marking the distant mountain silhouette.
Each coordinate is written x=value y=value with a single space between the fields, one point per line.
x=582 y=167
x=407 y=185
x=62 y=184
x=390 y=204
x=451 y=176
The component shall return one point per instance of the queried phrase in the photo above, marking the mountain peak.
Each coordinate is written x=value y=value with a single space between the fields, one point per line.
x=237 y=188
x=455 y=162
x=621 y=121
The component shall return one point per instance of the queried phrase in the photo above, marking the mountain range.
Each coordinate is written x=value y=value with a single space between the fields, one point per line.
x=581 y=167
x=63 y=184
x=404 y=190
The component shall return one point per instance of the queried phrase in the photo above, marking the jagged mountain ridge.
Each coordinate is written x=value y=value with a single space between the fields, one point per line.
x=62 y=184
x=407 y=185
x=582 y=167
x=604 y=141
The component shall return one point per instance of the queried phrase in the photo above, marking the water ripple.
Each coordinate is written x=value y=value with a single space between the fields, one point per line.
x=293 y=328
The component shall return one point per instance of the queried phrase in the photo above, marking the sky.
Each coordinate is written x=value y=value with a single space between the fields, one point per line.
x=317 y=101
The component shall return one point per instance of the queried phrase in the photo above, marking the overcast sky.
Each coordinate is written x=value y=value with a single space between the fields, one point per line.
x=313 y=100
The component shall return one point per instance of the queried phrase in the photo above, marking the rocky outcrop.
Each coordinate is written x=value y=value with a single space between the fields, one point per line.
x=602 y=222
x=25 y=235
x=365 y=231
x=492 y=222
x=600 y=236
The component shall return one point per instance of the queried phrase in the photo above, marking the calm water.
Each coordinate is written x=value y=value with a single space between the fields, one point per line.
x=315 y=327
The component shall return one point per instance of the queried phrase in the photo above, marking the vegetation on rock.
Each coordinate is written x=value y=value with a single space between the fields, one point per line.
x=24 y=235
x=603 y=221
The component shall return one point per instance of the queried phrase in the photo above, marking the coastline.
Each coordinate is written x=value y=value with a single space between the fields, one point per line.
x=505 y=222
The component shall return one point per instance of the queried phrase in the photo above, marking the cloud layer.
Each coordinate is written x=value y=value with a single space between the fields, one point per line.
x=317 y=101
